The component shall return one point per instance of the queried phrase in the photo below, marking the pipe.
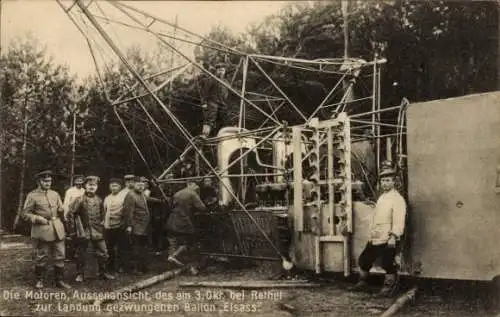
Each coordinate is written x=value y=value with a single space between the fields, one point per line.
x=400 y=302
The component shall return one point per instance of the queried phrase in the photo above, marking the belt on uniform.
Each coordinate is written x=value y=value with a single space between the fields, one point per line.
x=50 y=218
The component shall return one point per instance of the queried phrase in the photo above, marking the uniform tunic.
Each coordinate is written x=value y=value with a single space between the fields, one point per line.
x=389 y=217
x=71 y=194
x=48 y=238
x=214 y=95
x=136 y=213
x=44 y=204
x=87 y=213
x=185 y=202
x=113 y=209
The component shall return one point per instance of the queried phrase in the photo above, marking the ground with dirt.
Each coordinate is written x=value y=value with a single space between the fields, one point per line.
x=168 y=298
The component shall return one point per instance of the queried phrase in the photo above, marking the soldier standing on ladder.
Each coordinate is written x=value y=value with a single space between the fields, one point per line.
x=214 y=100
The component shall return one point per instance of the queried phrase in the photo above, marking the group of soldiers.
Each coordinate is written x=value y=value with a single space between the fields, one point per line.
x=117 y=226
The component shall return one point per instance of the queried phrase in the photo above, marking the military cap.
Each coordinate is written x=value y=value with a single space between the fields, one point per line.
x=44 y=174
x=387 y=172
x=92 y=179
x=115 y=180
x=78 y=178
x=140 y=179
x=128 y=177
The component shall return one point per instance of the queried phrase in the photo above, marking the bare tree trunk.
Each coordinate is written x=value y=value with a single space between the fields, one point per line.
x=23 y=169
x=23 y=164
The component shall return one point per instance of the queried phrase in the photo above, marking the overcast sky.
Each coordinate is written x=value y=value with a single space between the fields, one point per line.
x=47 y=22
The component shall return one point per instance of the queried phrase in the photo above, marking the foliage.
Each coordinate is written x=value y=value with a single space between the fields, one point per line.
x=434 y=49
x=35 y=95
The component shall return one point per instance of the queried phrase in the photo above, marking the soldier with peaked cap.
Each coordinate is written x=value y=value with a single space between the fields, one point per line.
x=87 y=215
x=137 y=223
x=114 y=225
x=44 y=210
x=387 y=227
x=129 y=184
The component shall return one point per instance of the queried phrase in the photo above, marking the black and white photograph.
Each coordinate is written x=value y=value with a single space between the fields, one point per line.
x=250 y=158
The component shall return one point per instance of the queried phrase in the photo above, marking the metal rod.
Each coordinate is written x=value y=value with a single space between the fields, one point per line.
x=148 y=78
x=272 y=113
x=243 y=86
x=247 y=133
x=380 y=124
x=250 y=150
x=345 y=8
x=357 y=115
x=388 y=149
x=338 y=61
x=378 y=116
x=327 y=97
x=73 y=147
x=179 y=125
x=279 y=89
x=160 y=33
x=181 y=157
x=241 y=256
x=199 y=66
x=257 y=175
x=229 y=49
x=345 y=102
x=376 y=137
x=268 y=97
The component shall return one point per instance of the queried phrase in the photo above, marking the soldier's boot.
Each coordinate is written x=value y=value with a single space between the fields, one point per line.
x=391 y=283
x=103 y=274
x=362 y=284
x=39 y=274
x=59 y=278
x=79 y=272
x=194 y=270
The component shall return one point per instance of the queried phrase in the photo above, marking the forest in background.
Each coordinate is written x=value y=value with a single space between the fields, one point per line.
x=434 y=49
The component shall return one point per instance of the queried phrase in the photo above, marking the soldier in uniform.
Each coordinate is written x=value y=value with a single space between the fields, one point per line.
x=114 y=225
x=387 y=227
x=129 y=184
x=180 y=223
x=73 y=192
x=43 y=208
x=86 y=216
x=137 y=223
x=214 y=101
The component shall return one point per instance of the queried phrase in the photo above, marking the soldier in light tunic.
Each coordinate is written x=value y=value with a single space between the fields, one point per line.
x=43 y=208
x=86 y=216
x=114 y=225
x=387 y=227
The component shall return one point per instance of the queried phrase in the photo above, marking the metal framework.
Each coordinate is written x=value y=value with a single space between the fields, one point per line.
x=261 y=114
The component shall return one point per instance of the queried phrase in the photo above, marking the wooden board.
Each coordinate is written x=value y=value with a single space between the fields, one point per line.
x=453 y=155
